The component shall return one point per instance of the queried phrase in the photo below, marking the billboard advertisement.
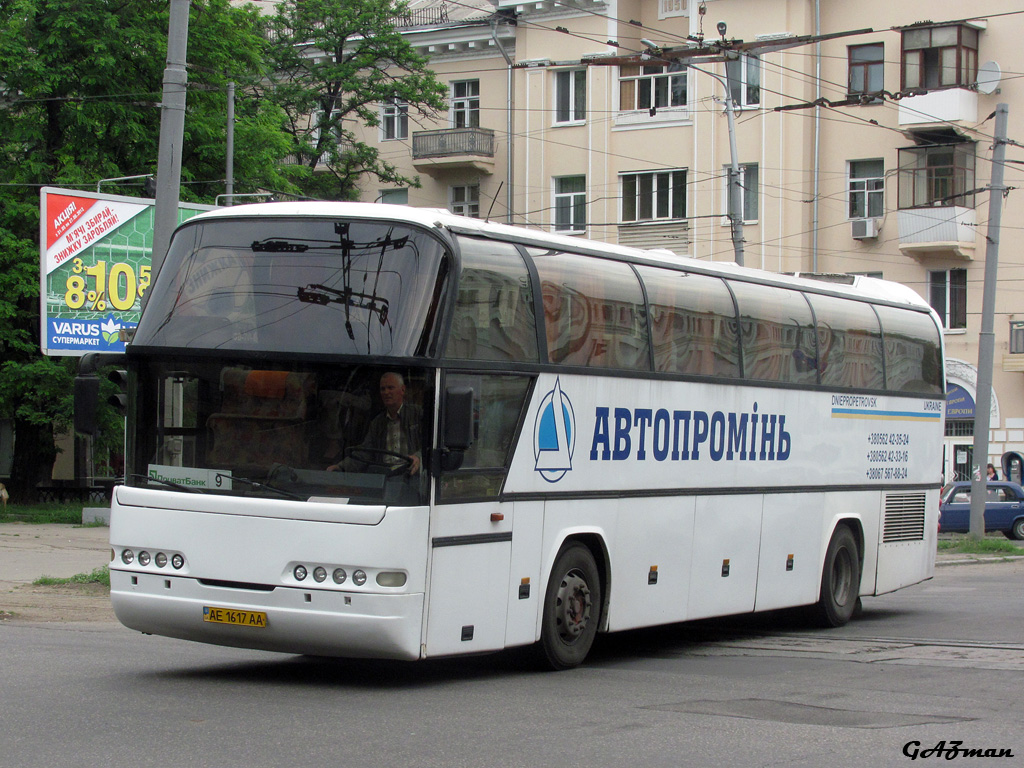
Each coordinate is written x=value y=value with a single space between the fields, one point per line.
x=95 y=255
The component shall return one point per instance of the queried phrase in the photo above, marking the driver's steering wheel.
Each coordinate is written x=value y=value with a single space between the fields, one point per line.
x=378 y=457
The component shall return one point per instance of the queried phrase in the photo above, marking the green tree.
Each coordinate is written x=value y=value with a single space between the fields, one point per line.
x=334 y=63
x=79 y=101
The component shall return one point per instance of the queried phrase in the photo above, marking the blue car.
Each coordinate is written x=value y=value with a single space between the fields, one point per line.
x=1004 y=509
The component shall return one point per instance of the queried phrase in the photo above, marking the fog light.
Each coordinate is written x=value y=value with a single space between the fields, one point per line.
x=160 y=559
x=320 y=573
x=359 y=578
x=178 y=561
x=299 y=573
x=391 y=579
x=339 y=575
x=127 y=557
x=144 y=557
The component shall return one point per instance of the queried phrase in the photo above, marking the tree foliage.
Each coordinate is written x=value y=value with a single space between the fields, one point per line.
x=80 y=86
x=334 y=63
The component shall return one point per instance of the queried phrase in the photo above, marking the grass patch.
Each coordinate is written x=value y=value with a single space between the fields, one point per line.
x=99 y=575
x=965 y=545
x=70 y=514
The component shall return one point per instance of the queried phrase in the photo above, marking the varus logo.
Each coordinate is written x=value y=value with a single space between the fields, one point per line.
x=554 y=435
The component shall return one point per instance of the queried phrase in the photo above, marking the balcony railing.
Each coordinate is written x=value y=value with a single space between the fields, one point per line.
x=453 y=141
x=453 y=149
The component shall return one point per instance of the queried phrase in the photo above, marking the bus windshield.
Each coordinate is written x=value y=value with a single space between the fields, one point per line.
x=318 y=285
x=295 y=432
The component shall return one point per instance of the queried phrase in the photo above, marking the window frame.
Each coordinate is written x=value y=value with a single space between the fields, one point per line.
x=394 y=120
x=572 y=201
x=868 y=188
x=572 y=84
x=932 y=71
x=745 y=81
x=867 y=68
x=470 y=205
x=647 y=82
x=925 y=181
x=669 y=183
x=465 y=107
x=951 y=303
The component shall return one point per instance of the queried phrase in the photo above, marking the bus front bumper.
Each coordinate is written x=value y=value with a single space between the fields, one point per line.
x=304 y=621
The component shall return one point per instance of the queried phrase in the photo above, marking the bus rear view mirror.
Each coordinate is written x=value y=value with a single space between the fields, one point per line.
x=458 y=418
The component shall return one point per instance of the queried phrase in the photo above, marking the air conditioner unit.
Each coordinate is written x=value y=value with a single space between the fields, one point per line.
x=865 y=228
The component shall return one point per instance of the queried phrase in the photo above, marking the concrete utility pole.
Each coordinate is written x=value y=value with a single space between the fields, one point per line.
x=229 y=183
x=986 y=339
x=172 y=131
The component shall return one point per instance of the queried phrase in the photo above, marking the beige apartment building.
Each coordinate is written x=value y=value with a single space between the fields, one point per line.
x=867 y=152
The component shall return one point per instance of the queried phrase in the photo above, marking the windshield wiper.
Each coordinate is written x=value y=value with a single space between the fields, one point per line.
x=262 y=486
x=168 y=483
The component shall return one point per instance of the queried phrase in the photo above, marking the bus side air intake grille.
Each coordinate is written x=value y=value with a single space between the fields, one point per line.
x=904 y=517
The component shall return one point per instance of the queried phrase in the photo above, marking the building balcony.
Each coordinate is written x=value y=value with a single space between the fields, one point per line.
x=453 y=149
x=942 y=232
x=952 y=105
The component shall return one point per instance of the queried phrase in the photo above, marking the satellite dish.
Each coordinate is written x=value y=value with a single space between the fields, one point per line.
x=989 y=75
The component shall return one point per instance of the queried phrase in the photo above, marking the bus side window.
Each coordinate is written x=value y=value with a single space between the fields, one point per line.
x=692 y=317
x=494 y=311
x=850 y=343
x=498 y=401
x=594 y=312
x=779 y=343
x=912 y=352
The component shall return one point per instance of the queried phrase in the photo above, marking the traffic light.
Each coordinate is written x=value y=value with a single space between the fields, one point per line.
x=119 y=400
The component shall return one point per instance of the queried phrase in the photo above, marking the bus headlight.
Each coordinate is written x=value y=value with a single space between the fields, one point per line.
x=160 y=560
x=359 y=578
x=299 y=573
x=391 y=579
x=127 y=556
x=319 y=573
x=339 y=575
x=144 y=558
x=178 y=561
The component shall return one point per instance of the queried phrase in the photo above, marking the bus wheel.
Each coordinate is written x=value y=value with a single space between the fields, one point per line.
x=572 y=608
x=840 y=580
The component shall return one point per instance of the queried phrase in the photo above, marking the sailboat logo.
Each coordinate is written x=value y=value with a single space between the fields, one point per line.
x=554 y=435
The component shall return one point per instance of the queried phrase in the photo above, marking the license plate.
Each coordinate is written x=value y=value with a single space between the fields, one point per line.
x=234 y=617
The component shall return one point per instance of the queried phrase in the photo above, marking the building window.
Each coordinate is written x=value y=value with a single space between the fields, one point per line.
x=865 y=68
x=465 y=201
x=748 y=182
x=395 y=120
x=939 y=57
x=571 y=204
x=947 y=293
x=649 y=196
x=465 y=104
x=867 y=189
x=394 y=196
x=1017 y=337
x=937 y=175
x=570 y=96
x=652 y=87
x=744 y=76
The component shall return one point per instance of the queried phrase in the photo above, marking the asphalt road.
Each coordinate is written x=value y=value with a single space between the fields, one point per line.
x=935 y=663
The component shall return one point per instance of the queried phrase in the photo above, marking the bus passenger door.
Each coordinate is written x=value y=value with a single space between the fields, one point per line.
x=471 y=547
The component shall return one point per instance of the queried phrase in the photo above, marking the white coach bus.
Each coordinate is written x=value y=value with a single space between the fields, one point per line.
x=590 y=438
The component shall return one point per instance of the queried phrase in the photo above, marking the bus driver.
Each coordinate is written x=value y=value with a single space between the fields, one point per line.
x=396 y=430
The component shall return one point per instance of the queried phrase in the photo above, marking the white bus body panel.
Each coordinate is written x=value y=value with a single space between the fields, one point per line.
x=243 y=559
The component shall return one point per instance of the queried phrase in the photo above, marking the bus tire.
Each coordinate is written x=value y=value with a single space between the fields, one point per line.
x=572 y=608
x=840 y=580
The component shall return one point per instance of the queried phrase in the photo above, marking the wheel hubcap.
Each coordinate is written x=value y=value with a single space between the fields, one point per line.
x=572 y=606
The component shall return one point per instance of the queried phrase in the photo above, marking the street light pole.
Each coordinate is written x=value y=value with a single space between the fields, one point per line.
x=172 y=131
x=986 y=339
